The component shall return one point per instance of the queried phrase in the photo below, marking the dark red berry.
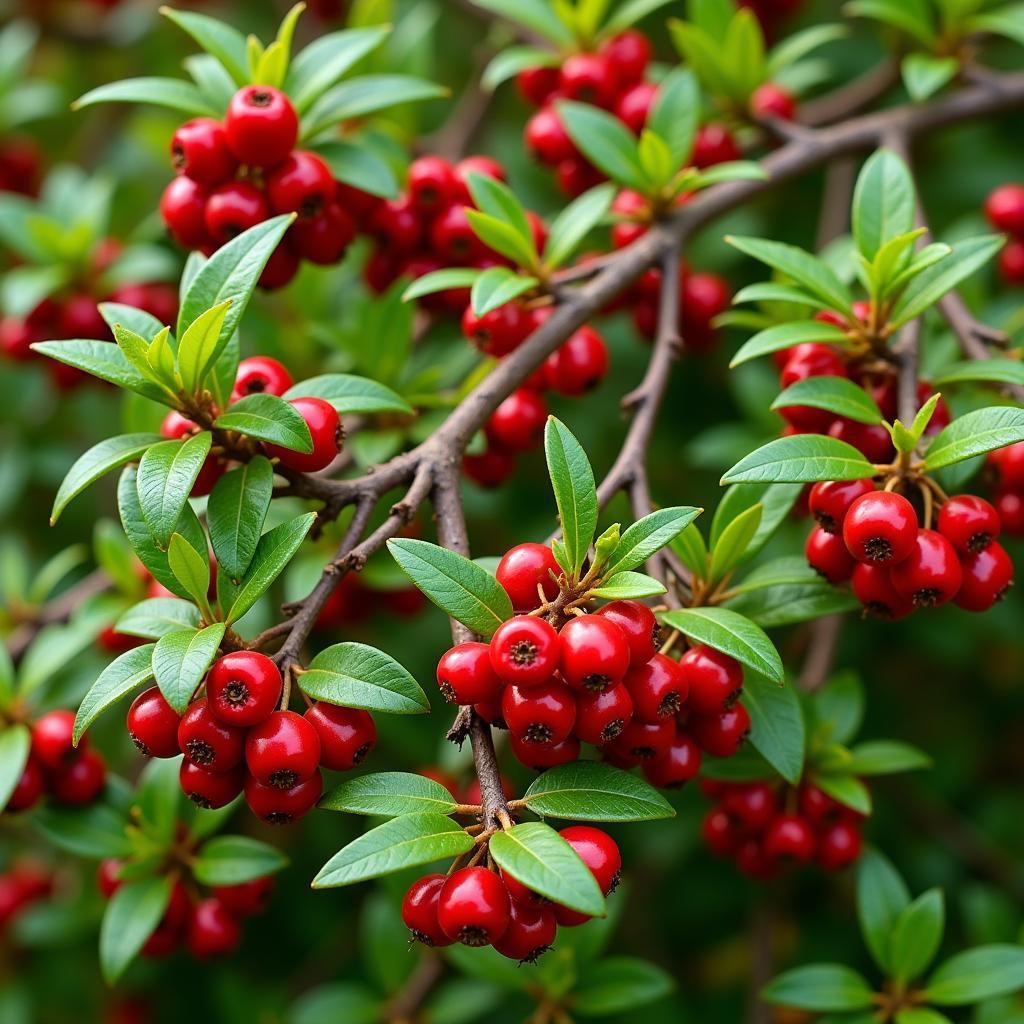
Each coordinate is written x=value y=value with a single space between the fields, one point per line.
x=302 y=183
x=261 y=125
x=282 y=266
x=828 y=556
x=541 y=714
x=930 y=575
x=325 y=429
x=714 y=145
x=183 y=208
x=246 y=898
x=633 y=106
x=1010 y=506
x=347 y=735
x=873 y=588
x=658 y=688
x=751 y=805
x=547 y=138
x=243 y=688
x=478 y=163
x=771 y=100
x=643 y=741
x=81 y=781
x=29 y=788
x=872 y=440
x=526 y=572
x=108 y=879
x=540 y=756
x=324 y=239
x=537 y=85
x=719 y=832
x=1004 y=208
x=465 y=675
x=594 y=653
x=1011 y=262
x=51 y=739
x=818 y=807
x=153 y=724
x=830 y=500
x=629 y=52
x=498 y=332
x=588 y=78
x=524 y=651
x=676 y=766
x=233 y=208
x=260 y=375
x=715 y=680
x=530 y=933
x=987 y=575
x=789 y=838
x=839 y=846
x=723 y=734
x=199 y=149
x=473 y=907
x=210 y=790
x=968 y=523
x=207 y=742
x=397 y=226
x=283 y=750
x=880 y=528
x=601 y=716
x=601 y=854
x=517 y=425
x=638 y=625
x=212 y=930
x=490 y=468
x=452 y=238
x=578 y=365
x=432 y=184
x=1009 y=465
x=419 y=911
x=283 y=806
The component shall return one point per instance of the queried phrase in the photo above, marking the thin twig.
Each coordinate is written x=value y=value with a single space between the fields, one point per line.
x=58 y=610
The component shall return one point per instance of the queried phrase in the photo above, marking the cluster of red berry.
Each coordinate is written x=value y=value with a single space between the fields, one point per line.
x=236 y=174
x=479 y=907
x=73 y=776
x=20 y=165
x=873 y=539
x=1004 y=208
x=1007 y=467
x=235 y=739
x=765 y=828
x=208 y=926
x=263 y=375
x=21 y=885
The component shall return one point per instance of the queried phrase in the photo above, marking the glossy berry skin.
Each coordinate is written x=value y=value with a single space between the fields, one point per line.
x=578 y=365
x=524 y=651
x=302 y=183
x=1011 y=262
x=51 y=739
x=232 y=209
x=873 y=587
x=540 y=756
x=594 y=653
x=638 y=625
x=107 y=880
x=633 y=106
x=719 y=833
x=452 y=237
x=676 y=766
x=527 y=571
x=210 y=790
x=474 y=907
x=260 y=375
x=987 y=575
x=930 y=575
x=601 y=717
x=547 y=138
x=658 y=688
x=715 y=680
x=465 y=675
x=419 y=911
x=969 y=523
x=243 y=688
x=811 y=360
x=517 y=425
x=817 y=807
x=1004 y=208
x=771 y=100
x=751 y=806
x=199 y=149
x=283 y=806
x=283 y=750
x=1009 y=464
x=830 y=500
x=207 y=742
x=323 y=239
x=723 y=734
x=498 y=332
x=396 y=225
x=872 y=440
x=880 y=528
x=212 y=930
x=541 y=714
x=282 y=266
x=246 y=898
x=598 y=851
x=183 y=208
x=839 y=846
x=81 y=781
x=347 y=735
x=261 y=125
x=753 y=860
x=153 y=725
x=643 y=741
x=324 y=428
x=828 y=556
x=530 y=933
x=490 y=468
x=432 y=184
x=28 y=790
x=789 y=838
x=588 y=78
x=714 y=145
x=537 y=84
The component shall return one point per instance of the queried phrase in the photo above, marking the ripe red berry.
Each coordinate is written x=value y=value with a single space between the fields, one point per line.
x=498 y=332
x=830 y=500
x=347 y=735
x=163 y=941
x=601 y=717
x=210 y=790
x=588 y=78
x=473 y=907
x=261 y=125
x=1010 y=506
x=325 y=429
x=233 y=208
x=828 y=556
x=968 y=522
x=771 y=100
x=676 y=766
x=453 y=239
x=630 y=53
x=1004 y=208
x=754 y=861
x=432 y=184
x=525 y=572
x=183 y=208
x=524 y=651
x=930 y=575
x=643 y=741
x=633 y=106
x=719 y=832
x=537 y=84
x=153 y=724
x=517 y=425
x=246 y=898
x=212 y=930
x=541 y=714
x=658 y=688
x=540 y=756
x=578 y=365
x=199 y=149
x=302 y=183
x=705 y=296
x=478 y=163
x=81 y=781
x=880 y=528
x=789 y=838
x=839 y=846
x=987 y=575
x=817 y=807
x=51 y=739
x=490 y=468
x=16 y=338
x=107 y=876
x=873 y=588
x=29 y=788
x=397 y=226
x=723 y=734
x=243 y=688
x=282 y=266
x=872 y=440
x=1008 y=463
x=530 y=933
x=419 y=911
x=80 y=318
x=1011 y=262
x=547 y=138
x=598 y=851
x=594 y=653
x=283 y=750
x=714 y=145
x=715 y=680
x=207 y=741
x=751 y=805
x=324 y=239
x=260 y=375
x=283 y=806
x=465 y=675
x=638 y=625
x=811 y=360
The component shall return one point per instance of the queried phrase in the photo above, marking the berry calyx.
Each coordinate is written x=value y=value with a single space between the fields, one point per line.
x=283 y=750
x=658 y=688
x=529 y=935
x=594 y=653
x=207 y=741
x=930 y=575
x=873 y=587
x=243 y=688
x=278 y=806
x=524 y=651
x=474 y=907
x=259 y=375
x=207 y=789
x=601 y=717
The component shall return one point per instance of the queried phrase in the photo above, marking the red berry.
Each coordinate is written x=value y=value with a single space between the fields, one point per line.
x=432 y=184
x=486 y=166
x=880 y=528
x=811 y=360
x=1004 y=208
x=547 y=138
x=261 y=125
x=1009 y=464
x=658 y=688
x=723 y=734
x=930 y=575
x=283 y=806
x=183 y=208
x=260 y=375
x=578 y=365
x=16 y=339
x=751 y=805
x=524 y=651
x=489 y=469
x=498 y=332
x=817 y=807
x=347 y=735
x=540 y=756
x=969 y=523
x=987 y=575
x=588 y=78
x=601 y=717
x=325 y=429
x=207 y=742
x=598 y=851
x=629 y=53
x=465 y=675
x=302 y=183
x=839 y=847
x=243 y=688
x=633 y=106
x=771 y=100
x=246 y=898
x=643 y=741
x=638 y=625
x=676 y=766
x=719 y=832
x=537 y=84
x=473 y=907
x=210 y=790
x=29 y=788
x=324 y=239
x=594 y=653
x=199 y=149
x=153 y=724
x=80 y=318
x=541 y=714
x=80 y=782
x=789 y=838
x=714 y=145
x=530 y=933
x=162 y=942
x=212 y=930
x=452 y=238
x=283 y=750
x=490 y=712
x=526 y=571
x=107 y=876
x=872 y=440
x=830 y=500
x=715 y=680
x=397 y=226
x=282 y=266
x=1011 y=262
x=517 y=425
x=828 y=556
x=705 y=296
x=754 y=861
x=1010 y=506
x=419 y=911
x=51 y=739
x=234 y=208
x=873 y=588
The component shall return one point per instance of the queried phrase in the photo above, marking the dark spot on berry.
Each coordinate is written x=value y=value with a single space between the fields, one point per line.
x=255 y=386
x=178 y=157
x=926 y=597
x=200 y=801
x=236 y=693
x=260 y=98
x=200 y=752
x=878 y=549
x=612 y=729
x=878 y=610
x=537 y=733
x=360 y=755
x=656 y=638
x=472 y=935
x=979 y=542
x=669 y=705
x=139 y=745
x=278 y=818
x=597 y=683
x=415 y=936
x=447 y=691
x=825 y=521
x=283 y=778
x=644 y=753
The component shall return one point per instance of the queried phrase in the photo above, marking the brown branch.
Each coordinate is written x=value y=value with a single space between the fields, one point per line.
x=762 y=959
x=821 y=652
x=845 y=101
x=58 y=610
x=404 y=1006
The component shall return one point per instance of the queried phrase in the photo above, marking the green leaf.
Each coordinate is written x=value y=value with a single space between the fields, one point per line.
x=358 y=676
x=913 y=17
x=572 y=480
x=647 y=536
x=796 y=46
x=881 y=897
x=350 y=394
x=15 y=741
x=619 y=984
x=460 y=588
x=675 y=114
x=6 y=678
x=849 y=791
x=157 y=616
x=921 y=1015
x=496 y=286
x=595 y=791
x=100 y=459
x=820 y=987
x=536 y=855
x=802 y=458
x=235 y=514
x=198 y=348
x=336 y=1001
x=222 y=41
x=776 y=501
x=268 y=418
x=776 y=726
x=536 y=15
x=771 y=291
x=575 y=222
x=180 y=661
x=731 y=546
x=403 y=842
x=925 y=74
x=781 y=336
x=690 y=547
x=92 y=832
x=232 y=860
x=886 y=757
x=319 y=65
x=497 y=200
x=163 y=92
x=102 y=359
x=273 y=552
x=835 y=394
x=191 y=569
x=884 y=202
x=357 y=165
x=976 y=433
x=916 y=935
x=996 y=371
x=212 y=78
x=122 y=676
x=441 y=281
x=166 y=474
x=130 y=918
x=977 y=974
x=1003 y=21
x=136 y=320
x=605 y=141
x=731 y=633
x=364 y=95
x=389 y=794
x=507 y=63
x=503 y=238
x=621 y=586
